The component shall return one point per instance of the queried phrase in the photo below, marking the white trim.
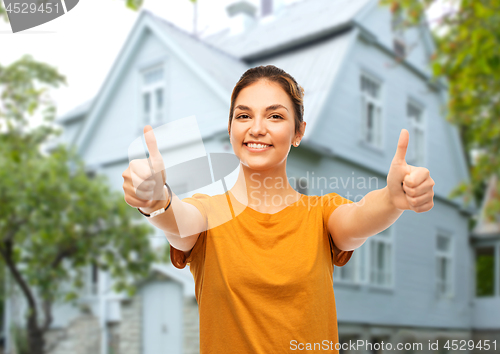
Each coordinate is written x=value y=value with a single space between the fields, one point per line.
x=379 y=124
x=361 y=266
x=422 y=126
x=151 y=89
x=388 y=240
x=449 y=255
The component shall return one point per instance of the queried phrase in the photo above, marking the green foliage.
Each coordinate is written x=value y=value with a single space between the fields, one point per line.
x=485 y=275
x=467 y=57
x=134 y=4
x=20 y=339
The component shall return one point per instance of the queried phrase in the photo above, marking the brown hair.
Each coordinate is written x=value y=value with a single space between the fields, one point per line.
x=273 y=74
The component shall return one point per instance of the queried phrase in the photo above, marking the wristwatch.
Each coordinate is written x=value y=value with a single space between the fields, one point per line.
x=161 y=210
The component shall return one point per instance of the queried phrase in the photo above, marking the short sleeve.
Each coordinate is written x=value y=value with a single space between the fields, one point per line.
x=331 y=202
x=177 y=257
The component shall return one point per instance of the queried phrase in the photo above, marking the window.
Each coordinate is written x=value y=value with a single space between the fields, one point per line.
x=375 y=344
x=371 y=108
x=346 y=341
x=485 y=271
x=381 y=259
x=152 y=95
x=416 y=144
x=355 y=270
x=91 y=283
x=370 y=263
x=444 y=265
x=95 y=279
x=397 y=23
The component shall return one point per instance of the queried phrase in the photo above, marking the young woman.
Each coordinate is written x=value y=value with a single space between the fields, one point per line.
x=262 y=255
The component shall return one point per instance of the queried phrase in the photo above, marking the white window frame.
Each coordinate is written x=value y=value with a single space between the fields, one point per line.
x=377 y=102
x=448 y=255
x=416 y=154
x=385 y=237
x=359 y=267
x=398 y=33
x=354 y=272
x=496 y=270
x=91 y=289
x=156 y=117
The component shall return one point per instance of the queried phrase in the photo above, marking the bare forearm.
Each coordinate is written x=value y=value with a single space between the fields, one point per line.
x=176 y=220
x=371 y=215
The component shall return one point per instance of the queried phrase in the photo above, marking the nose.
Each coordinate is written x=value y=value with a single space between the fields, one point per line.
x=258 y=127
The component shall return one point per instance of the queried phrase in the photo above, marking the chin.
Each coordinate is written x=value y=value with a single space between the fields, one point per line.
x=253 y=165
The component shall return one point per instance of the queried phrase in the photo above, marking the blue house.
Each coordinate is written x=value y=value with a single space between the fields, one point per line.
x=365 y=79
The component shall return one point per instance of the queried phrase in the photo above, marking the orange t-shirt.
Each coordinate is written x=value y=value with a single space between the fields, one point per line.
x=264 y=282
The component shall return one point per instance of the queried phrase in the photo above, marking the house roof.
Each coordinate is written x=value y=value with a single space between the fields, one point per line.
x=221 y=66
x=224 y=57
x=77 y=112
x=315 y=68
x=221 y=70
x=297 y=23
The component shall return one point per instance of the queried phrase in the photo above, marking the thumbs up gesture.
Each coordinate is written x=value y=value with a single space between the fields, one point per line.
x=410 y=187
x=144 y=179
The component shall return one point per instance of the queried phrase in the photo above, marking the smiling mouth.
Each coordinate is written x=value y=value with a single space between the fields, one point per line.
x=258 y=144
x=263 y=147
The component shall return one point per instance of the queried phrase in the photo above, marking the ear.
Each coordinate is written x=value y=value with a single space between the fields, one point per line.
x=302 y=130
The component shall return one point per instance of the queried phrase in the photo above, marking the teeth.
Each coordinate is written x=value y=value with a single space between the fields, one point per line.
x=257 y=146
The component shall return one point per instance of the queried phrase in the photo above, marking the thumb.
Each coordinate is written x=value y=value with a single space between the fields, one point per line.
x=400 y=155
x=154 y=153
x=150 y=138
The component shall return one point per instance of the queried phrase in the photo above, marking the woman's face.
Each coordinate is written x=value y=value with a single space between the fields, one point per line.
x=263 y=114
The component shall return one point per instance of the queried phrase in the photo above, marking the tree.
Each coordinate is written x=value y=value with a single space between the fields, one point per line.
x=55 y=220
x=467 y=57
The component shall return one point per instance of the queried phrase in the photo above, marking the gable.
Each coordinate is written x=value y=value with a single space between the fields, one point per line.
x=377 y=18
x=120 y=122
x=315 y=67
x=149 y=43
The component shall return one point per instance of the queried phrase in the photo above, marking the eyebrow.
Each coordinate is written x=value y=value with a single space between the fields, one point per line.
x=270 y=108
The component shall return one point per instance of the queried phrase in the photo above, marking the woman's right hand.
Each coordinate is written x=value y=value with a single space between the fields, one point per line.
x=143 y=188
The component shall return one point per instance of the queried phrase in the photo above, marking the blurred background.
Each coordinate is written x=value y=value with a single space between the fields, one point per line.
x=83 y=272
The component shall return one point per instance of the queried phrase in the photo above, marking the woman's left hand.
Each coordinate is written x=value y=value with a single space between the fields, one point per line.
x=410 y=187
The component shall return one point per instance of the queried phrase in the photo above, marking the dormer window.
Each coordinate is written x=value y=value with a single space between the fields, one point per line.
x=397 y=26
x=371 y=108
x=152 y=96
x=416 y=149
x=399 y=48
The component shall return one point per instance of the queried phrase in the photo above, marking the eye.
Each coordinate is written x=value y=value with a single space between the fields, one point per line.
x=243 y=115
x=276 y=115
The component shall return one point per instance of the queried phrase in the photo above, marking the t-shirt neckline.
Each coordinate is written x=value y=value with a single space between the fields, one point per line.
x=266 y=216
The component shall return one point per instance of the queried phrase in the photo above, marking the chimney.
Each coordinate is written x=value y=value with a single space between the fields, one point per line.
x=271 y=7
x=241 y=16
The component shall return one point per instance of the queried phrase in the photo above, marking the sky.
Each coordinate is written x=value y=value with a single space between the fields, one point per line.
x=84 y=43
